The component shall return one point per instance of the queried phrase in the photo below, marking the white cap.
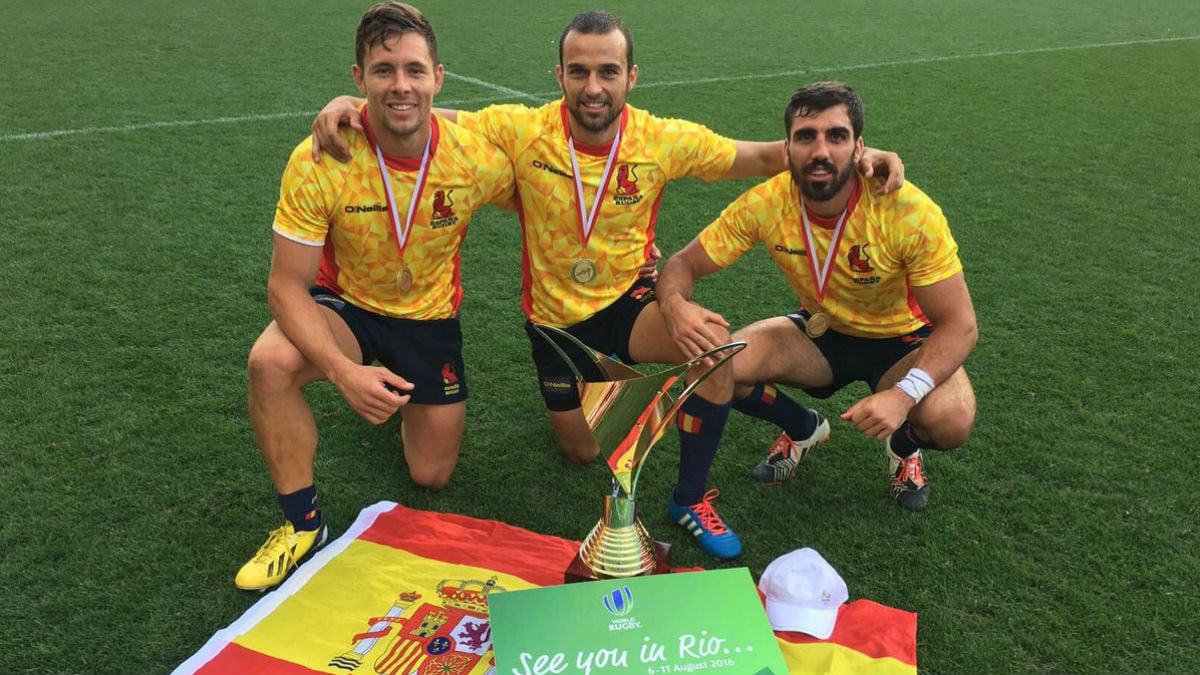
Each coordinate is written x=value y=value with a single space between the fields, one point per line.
x=803 y=593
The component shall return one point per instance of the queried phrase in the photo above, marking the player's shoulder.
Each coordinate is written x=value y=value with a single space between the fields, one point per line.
x=907 y=204
x=907 y=197
x=454 y=135
x=469 y=149
x=512 y=113
x=765 y=200
x=301 y=161
x=779 y=187
x=650 y=122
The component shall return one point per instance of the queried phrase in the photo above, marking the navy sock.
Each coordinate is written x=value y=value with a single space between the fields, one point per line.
x=300 y=508
x=905 y=441
x=701 y=424
x=766 y=402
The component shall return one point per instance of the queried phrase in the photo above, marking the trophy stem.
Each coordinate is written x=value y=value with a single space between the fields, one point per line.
x=619 y=546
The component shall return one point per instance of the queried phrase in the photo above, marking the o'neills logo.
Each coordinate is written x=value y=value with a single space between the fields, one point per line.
x=373 y=208
x=790 y=251
x=443 y=210
x=627 y=192
x=539 y=164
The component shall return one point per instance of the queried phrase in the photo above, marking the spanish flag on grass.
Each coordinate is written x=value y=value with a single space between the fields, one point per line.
x=868 y=639
x=404 y=592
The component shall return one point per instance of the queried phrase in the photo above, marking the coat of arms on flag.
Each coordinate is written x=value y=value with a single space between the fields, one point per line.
x=450 y=636
x=405 y=592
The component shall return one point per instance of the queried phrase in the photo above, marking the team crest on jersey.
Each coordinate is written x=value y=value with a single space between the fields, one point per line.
x=443 y=210
x=422 y=638
x=859 y=260
x=860 y=263
x=627 y=192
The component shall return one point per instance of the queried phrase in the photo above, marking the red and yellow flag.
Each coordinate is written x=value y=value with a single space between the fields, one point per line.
x=868 y=639
x=404 y=592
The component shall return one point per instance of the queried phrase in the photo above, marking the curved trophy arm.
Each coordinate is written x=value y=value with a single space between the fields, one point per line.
x=732 y=349
x=729 y=350
x=545 y=331
x=609 y=367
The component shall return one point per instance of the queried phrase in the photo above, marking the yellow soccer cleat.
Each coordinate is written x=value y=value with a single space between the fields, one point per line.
x=284 y=550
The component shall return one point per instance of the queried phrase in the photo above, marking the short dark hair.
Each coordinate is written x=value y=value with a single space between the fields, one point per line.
x=820 y=96
x=598 y=22
x=391 y=19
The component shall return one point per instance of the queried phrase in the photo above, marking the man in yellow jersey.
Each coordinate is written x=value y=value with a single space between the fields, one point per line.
x=365 y=269
x=882 y=297
x=591 y=171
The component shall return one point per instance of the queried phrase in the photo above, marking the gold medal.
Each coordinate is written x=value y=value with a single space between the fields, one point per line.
x=583 y=271
x=404 y=280
x=816 y=325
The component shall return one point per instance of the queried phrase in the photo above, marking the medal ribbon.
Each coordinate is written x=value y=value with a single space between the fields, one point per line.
x=822 y=279
x=587 y=221
x=402 y=232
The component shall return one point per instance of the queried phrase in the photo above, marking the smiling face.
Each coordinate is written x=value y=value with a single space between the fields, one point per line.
x=822 y=151
x=399 y=77
x=595 y=79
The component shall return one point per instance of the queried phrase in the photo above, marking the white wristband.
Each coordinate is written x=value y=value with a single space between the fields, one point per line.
x=917 y=383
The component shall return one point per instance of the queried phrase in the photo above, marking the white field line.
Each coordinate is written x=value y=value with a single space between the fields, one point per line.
x=40 y=135
x=505 y=93
x=514 y=93
x=909 y=62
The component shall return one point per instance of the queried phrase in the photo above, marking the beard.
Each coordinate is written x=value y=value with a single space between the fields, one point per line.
x=592 y=123
x=826 y=191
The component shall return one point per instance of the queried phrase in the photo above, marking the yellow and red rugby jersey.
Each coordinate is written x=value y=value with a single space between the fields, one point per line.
x=343 y=207
x=653 y=151
x=888 y=244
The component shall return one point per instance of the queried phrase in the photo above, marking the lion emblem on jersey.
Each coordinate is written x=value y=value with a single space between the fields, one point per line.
x=443 y=205
x=859 y=260
x=443 y=210
x=626 y=181
x=627 y=192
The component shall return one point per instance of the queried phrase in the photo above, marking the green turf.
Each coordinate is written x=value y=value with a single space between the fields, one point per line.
x=140 y=151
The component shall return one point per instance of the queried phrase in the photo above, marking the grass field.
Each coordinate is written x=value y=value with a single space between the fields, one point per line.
x=140 y=151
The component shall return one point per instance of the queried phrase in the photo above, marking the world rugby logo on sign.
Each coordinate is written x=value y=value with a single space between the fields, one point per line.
x=619 y=604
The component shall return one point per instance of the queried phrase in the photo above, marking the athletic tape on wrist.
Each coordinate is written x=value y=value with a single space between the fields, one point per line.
x=917 y=383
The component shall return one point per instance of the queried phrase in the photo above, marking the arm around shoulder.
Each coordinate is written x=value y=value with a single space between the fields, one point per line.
x=755 y=158
x=341 y=111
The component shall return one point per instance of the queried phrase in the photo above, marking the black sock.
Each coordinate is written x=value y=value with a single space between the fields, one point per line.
x=300 y=508
x=701 y=424
x=766 y=402
x=905 y=441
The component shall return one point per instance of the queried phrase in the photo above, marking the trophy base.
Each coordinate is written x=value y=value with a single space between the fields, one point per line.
x=579 y=571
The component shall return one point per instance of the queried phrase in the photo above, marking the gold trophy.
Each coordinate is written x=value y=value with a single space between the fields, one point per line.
x=628 y=413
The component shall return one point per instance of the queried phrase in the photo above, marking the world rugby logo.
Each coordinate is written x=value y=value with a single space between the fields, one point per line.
x=619 y=602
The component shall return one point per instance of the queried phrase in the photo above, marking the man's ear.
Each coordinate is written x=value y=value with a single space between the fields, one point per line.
x=357 y=74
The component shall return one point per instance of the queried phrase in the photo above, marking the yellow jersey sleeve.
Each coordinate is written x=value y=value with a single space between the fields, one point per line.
x=307 y=196
x=921 y=236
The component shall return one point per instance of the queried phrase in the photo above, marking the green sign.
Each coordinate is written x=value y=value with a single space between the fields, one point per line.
x=711 y=622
